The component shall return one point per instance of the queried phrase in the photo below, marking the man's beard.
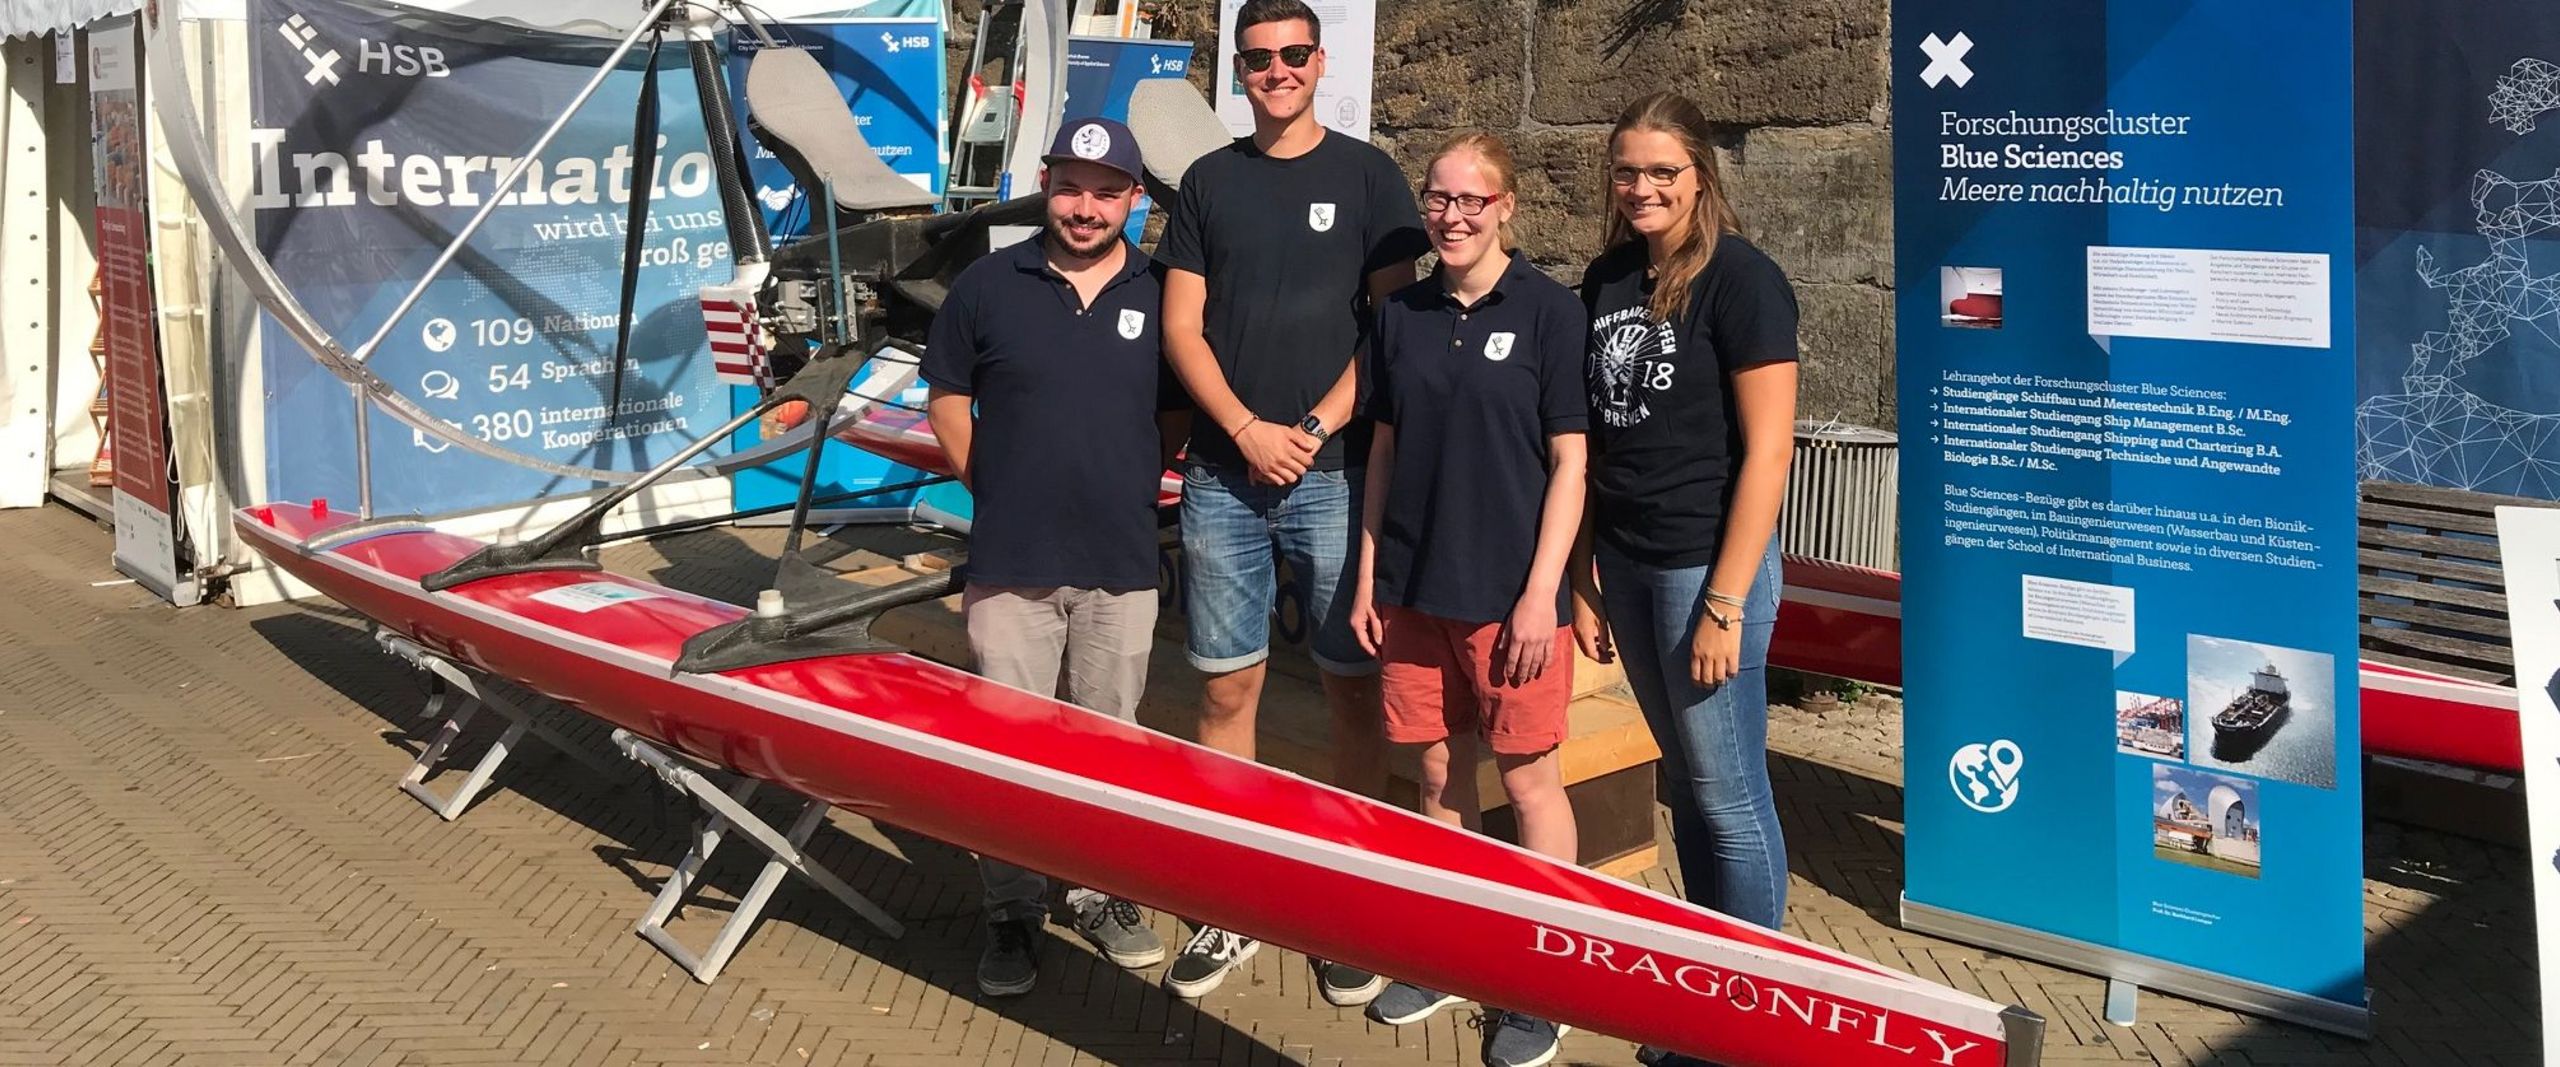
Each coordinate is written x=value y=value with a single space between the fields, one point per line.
x=1099 y=243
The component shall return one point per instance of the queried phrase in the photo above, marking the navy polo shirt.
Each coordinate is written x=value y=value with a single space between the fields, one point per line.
x=1473 y=393
x=1065 y=463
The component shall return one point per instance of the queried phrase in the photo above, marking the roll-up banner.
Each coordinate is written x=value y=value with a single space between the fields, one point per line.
x=1102 y=72
x=147 y=547
x=2458 y=172
x=2529 y=552
x=890 y=72
x=2129 y=493
x=379 y=130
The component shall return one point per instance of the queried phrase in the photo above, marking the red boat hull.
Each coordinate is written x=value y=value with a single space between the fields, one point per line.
x=1106 y=804
x=1847 y=622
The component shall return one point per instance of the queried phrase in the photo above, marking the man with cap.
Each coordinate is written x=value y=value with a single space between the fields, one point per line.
x=1048 y=393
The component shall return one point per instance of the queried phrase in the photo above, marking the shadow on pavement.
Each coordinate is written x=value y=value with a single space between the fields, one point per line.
x=1084 y=1002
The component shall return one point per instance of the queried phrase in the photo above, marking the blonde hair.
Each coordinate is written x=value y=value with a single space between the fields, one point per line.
x=1493 y=157
x=1711 y=217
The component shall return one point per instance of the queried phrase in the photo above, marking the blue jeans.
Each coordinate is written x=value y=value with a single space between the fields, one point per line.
x=1715 y=742
x=1234 y=533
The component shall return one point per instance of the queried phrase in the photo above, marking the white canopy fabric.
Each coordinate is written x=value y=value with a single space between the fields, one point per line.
x=27 y=18
x=34 y=17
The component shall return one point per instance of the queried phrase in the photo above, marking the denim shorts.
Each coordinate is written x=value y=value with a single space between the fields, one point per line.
x=1234 y=536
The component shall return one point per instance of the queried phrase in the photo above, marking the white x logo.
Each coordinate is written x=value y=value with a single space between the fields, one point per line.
x=300 y=35
x=1946 y=60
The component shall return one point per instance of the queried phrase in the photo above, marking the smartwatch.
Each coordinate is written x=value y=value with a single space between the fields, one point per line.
x=1314 y=427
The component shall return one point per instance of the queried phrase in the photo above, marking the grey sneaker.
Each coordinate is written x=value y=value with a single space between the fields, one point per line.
x=1008 y=967
x=1515 y=1039
x=1346 y=986
x=1404 y=1003
x=1206 y=961
x=1114 y=926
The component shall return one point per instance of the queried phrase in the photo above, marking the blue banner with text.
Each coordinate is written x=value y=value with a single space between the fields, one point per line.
x=378 y=131
x=2128 y=509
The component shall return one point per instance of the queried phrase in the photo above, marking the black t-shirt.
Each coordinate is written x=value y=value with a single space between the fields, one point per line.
x=1286 y=247
x=1665 y=441
x=1473 y=393
x=1066 y=465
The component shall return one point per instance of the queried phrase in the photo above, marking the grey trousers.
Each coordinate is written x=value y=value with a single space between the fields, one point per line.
x=1025 y=637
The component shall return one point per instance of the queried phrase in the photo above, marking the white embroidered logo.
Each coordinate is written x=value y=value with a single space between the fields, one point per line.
x=1090 y=142
x=1498 y=347
x=1320 y=217
x=1132 y=323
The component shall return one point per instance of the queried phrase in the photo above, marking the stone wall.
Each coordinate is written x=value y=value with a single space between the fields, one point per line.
x=1796 y=88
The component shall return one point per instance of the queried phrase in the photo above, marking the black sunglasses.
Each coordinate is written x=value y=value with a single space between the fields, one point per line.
x=1258 y=60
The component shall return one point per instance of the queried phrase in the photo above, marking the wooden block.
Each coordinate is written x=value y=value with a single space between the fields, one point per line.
x=1608 y=756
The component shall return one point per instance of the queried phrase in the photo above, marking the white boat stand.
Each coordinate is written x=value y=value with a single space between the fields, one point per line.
x=456 y=697
x=727 y=810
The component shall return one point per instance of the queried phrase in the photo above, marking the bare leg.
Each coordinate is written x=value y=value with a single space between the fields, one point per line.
x=1359 y=734
x=1227 y=706
x=1449 y=783
x=1535 y=785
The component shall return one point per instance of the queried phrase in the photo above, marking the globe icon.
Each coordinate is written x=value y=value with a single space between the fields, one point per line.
x=1985 y=776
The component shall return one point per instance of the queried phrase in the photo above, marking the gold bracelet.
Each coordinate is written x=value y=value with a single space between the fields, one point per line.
x=1722 y=598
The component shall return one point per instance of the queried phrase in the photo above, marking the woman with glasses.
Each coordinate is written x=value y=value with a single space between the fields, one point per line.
x=1475 y=486
x=1692 y=375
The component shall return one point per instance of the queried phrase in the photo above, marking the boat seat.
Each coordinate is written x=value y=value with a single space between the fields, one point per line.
x=795 y=110
x=1175 y=126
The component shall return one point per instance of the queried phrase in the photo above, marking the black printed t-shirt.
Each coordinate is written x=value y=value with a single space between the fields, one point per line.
x=1666 y=443
x=1065 y=463
x=1473 y=392
x=1286 y=247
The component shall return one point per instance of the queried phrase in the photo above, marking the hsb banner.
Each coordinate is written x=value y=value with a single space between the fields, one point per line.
x=889 y=71
x=2129 y=495
x=379 y=130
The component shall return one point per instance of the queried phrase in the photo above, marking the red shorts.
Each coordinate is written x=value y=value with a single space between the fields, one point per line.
x=1437 y=674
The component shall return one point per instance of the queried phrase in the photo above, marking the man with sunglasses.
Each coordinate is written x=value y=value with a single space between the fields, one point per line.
x=1275 y=248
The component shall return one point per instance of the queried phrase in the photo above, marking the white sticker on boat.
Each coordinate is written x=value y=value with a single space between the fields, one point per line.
x=588 y=596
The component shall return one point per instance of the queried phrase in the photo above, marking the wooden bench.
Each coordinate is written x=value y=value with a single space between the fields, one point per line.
x=1608 y=758
x=2430 y=596
x=2429 y=593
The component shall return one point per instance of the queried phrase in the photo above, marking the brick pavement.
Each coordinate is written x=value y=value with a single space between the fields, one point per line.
x=206 y=864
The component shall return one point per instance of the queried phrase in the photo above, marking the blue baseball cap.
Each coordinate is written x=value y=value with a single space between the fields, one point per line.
x=1098 y=141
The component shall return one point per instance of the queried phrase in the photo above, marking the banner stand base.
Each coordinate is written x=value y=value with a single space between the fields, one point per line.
x=2124 y=999
x=2143 y=972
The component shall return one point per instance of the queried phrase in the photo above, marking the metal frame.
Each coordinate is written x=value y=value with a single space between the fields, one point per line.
x=726 y=810
x=457 y=697
x=2126 y=972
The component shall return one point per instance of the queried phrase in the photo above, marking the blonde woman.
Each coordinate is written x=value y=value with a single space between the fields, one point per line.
x=1475 y=488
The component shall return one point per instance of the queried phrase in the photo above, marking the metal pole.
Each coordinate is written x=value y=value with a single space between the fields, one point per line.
x=453 y=248
x=364 y=452
x=835 y=269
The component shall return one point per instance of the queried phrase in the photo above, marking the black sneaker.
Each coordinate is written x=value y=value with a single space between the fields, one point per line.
x=1346 y=986
x=1405 y=1003
x=1206 y=961
x=1515 y=1039
x=1008 y=968
x=1114 y=926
